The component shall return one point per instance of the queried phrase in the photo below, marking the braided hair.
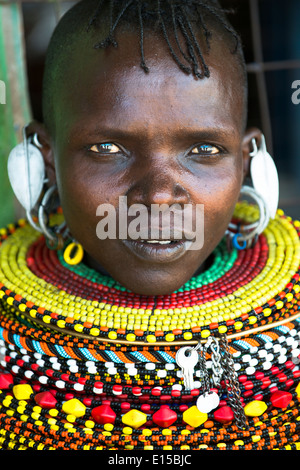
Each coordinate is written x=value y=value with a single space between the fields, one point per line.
x=171 y=16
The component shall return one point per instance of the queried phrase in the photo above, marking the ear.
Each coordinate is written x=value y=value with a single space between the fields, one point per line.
x=46 y=148
x=247 y=147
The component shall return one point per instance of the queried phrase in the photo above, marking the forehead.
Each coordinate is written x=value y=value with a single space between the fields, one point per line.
x=110 y=85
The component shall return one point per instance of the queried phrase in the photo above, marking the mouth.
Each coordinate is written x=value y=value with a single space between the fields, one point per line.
x=157 y=251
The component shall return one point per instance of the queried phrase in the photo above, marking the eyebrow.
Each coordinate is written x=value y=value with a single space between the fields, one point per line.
x=214 y=133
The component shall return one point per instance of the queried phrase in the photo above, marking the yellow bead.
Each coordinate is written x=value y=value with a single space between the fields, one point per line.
x=170 y=337
x=151 y=339
x=222 y=329
x=127 y=430
x=256 y=438
x=187 y=335
x=298 y=390
x=112 y=335
x=130 y=337
x=205 y=333
x=167 y=447
x=74 y=407
x=193 y=417
x=94 y=331
x=166 y=432
x=147 y=432
x=22 y=391
x=239 y=443
x=108 y=427
x=134 y=418
x=53 y=412
x=255 y=408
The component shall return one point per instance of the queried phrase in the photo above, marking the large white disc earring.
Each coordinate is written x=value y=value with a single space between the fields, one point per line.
x=264 y=176
x=27 y=175
x=26 y=172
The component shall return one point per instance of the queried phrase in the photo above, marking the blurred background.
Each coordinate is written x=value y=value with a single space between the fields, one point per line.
x=270 y=31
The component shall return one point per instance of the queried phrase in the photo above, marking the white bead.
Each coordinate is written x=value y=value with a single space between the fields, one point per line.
x=129 y=365
x=78 y=387
x=170 y=366
x=277 y=348
x=37 y=355
x=269 y=345
x=15 y=369
x=56 y=366
x=73 y=369
x=293 y=332
x=40 y=362
x=132 y=371
x=28 y=374
x=246 y=358
x=197 y=384
x=26 y=358
x=150 y=366
x=267 y=365
x=71 y=362
x=177 y=387
x=92 y=370
x=161 y=373
x=60 y=384
x=253 y=349
x=13 y=355
x=109 y=364
x=250 y=370
x=262 y=353
x=282 y=359
x=43 y=379
x=237 y=366
x=112 y=371
x=295 y=352
x=253 y=362
x=90 y=363
x=270 y=357
x=98 y=390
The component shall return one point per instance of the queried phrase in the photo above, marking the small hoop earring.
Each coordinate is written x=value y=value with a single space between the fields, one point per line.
x=245 y=236
x=74 y=253
x=55 y=237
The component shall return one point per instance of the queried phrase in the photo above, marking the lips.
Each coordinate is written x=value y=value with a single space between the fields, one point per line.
x=157 y=251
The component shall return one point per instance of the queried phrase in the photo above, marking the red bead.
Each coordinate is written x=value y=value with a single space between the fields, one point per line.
x=224 y=414
x=164 y=417
x=281 y=399
x=103 y=414
x=45 y=400
x=5 y=381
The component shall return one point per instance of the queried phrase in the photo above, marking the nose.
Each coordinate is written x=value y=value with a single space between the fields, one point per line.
x=157 y=182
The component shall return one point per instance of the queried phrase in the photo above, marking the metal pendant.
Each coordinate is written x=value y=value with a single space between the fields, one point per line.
x=265 y=177
x=26 y=172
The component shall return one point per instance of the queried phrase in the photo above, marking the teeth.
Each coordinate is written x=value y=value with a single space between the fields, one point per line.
x=161 y=242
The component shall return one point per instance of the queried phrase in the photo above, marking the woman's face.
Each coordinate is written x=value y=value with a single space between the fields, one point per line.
x=157 y=138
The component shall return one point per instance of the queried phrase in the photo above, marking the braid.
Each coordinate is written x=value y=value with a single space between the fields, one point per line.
x=175 y=13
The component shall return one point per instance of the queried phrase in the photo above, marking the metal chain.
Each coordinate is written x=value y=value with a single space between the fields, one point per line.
x=232 y=384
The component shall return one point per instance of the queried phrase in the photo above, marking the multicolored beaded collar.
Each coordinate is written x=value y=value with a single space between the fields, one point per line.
x=85 y=364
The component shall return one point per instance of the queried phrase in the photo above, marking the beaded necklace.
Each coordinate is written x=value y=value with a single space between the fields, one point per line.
x=87 y=364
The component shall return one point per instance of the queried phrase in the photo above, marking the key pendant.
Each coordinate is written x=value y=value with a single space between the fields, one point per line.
x=208 y=402
x=187 y=359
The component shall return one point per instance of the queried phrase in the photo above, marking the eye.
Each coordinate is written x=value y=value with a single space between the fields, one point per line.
x=205 y=149
x=105 y=148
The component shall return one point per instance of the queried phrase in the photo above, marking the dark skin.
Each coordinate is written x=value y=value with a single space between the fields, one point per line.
x=172 y=139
